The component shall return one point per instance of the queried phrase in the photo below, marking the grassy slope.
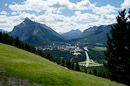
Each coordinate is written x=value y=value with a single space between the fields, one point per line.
x=21 y=64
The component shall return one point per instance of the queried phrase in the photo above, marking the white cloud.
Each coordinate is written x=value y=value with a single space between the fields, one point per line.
x=56 y=5
x=62 y=23
x=8 y=22
x=85 y=5
x=59 y=4
x=59 y=23
x=77 y=12
x=32 y=5
x=86 y=17
x=14 y=13
x=3 y=12
x=4 y=23
x=54 y=17
x=106 y=19
x=3 y=19
x=125 y=4
x=107 y=9
x=39 y=5
x=6 y=4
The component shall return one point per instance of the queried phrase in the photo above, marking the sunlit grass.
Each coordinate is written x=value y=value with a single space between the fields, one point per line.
x=99 y=48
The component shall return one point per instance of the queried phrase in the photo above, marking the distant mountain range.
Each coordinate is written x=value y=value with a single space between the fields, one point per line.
x=72 y=34
x=3 y=31
x=40 y=34
x=94 y=35
x=35 y=33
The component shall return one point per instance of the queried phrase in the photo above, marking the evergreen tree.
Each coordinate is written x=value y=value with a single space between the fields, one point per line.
x=72 y=66
x=1 y=37
x=17 y=42
x=68 y=64
x=77 y=67
x=95 y=71
x=49 y=56
x=61 y=61
x=118 y=49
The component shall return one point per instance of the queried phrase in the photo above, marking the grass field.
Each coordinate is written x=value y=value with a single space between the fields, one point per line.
x=24 y=65
x=99 y=48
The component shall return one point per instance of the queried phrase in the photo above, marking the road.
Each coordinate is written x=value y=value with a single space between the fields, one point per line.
x=87 y=60
x=87 y=57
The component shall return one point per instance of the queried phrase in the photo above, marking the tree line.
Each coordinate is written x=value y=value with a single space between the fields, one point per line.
x=99 y=71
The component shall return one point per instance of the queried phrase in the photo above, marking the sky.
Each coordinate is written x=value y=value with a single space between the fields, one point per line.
x=61 y=15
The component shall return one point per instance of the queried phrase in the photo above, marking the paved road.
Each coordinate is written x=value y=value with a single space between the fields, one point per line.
x=87 y=57
x=87 y=60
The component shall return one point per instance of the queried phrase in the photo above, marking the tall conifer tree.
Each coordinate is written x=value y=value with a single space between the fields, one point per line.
x=118 y=49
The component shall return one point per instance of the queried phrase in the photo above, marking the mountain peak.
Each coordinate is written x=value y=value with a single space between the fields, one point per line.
x=35 y=33
x=26 y=20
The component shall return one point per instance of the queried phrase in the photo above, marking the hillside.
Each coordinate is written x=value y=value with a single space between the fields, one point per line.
x=35 y=33
x=26 y=66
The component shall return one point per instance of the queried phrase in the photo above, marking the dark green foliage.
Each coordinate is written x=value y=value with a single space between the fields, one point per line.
x=61 y=62
x=5 y=38
x=118 y=49
x=60 y=54
x=72 y=66
x=17 y=42
x=68 y=64
x=96 y=55
x=66 y=55
x=77 y=68
x=100 y=71
x=95 y=72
